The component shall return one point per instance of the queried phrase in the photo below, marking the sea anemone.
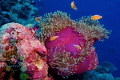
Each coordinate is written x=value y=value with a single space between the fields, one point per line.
x=63 y=56
x=52 y=23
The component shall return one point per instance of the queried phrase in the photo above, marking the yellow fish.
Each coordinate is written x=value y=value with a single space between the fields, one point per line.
x=53 y=38
x=73 y=5
x=96 y=17
x=77 y=46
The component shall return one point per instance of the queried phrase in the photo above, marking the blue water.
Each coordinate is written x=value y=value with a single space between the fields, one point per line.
x=109 y=49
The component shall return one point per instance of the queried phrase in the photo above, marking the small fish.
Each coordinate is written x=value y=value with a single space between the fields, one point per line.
x=96 y=17
x=53 y=38
x=37 y=18
x=77 y=46
x=73 y=5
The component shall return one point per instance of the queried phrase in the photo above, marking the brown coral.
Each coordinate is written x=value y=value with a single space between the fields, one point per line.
x=11 y=53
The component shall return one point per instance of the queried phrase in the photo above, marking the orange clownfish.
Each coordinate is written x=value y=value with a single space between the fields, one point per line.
x=37 y=18
x=53 y=38
x=77 y=46
x=73 y=5
x=96 y=17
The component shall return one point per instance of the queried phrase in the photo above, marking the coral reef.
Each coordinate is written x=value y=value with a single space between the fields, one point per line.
x=72 y=51
x=118 y=78
x=102 y=72
x=106 y=67
x=19 y=11
x=20 y=49
x=94 y=74
x=68 y=49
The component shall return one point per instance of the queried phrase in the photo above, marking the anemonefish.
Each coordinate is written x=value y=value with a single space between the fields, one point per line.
x=37 y=18
x=73 y=5
x=96 y=17
x=77 y=46
x=53 y=38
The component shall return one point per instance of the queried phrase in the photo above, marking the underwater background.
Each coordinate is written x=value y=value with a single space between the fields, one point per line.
x=107 y=50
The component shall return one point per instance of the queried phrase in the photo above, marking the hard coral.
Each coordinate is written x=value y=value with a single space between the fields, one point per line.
x=2 y=66
x=102 y=72
x=31 y=54
x=19 y=11
x=106 y=67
